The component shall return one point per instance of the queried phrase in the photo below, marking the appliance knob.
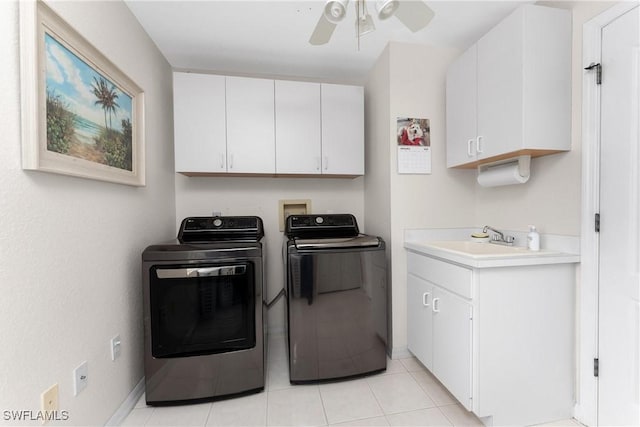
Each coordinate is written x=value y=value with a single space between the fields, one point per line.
x=217 y=222
x=319 y=220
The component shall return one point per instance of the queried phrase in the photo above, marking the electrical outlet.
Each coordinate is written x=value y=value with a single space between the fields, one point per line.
x=80 y=378
x=115 y=347
x=49 y=399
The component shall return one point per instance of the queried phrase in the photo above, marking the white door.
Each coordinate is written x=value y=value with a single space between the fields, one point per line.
x=419 y=323
x=342 y=129
x=500 y=94
x=297 y=127
x=251 y=146
x=199 y=123
x=619 y=283
x=462 y=110
x=452 y=317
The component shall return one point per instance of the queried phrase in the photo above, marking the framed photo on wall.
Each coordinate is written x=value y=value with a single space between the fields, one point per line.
x=81 y=115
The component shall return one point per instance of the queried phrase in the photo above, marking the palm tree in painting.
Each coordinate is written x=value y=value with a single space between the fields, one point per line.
x=107 y=98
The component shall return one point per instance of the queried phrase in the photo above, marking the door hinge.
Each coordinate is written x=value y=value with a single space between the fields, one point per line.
x=596 y=367
x=597 y=223
x=598 y=68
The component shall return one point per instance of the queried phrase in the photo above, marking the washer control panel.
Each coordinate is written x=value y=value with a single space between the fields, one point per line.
x=319 y=226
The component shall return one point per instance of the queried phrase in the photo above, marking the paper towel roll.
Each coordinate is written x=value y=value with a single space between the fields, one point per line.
x=501 y=175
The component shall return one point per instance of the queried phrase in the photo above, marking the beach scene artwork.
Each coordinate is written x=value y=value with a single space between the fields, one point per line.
x=88 y=116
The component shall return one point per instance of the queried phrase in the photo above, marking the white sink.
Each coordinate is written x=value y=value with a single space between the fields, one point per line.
x=487 y=250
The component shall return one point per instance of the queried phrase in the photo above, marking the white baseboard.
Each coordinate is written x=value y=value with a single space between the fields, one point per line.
x=127 y=406
x=400 y=353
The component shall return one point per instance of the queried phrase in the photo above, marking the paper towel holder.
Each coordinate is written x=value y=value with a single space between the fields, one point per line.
x=523 y=163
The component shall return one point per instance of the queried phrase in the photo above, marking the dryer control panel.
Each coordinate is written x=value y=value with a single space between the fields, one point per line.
x=219 y=228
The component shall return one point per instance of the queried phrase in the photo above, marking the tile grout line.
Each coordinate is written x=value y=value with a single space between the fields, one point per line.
x=324 y=410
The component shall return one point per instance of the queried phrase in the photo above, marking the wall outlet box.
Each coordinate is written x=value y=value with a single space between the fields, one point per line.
x=80 y=378
x=49 y=399
x=292 y=207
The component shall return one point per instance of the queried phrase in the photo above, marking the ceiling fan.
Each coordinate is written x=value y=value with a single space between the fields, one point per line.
x=414 y=14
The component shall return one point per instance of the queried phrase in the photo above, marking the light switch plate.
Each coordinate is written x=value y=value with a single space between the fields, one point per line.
x=80 y=378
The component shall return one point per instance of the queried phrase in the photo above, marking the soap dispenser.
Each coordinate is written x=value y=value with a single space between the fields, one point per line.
x=533 y=239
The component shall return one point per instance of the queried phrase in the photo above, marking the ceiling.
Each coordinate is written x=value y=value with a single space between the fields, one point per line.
x=270 y=37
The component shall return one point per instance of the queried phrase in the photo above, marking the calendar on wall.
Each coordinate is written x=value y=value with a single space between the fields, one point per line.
x=414 y=146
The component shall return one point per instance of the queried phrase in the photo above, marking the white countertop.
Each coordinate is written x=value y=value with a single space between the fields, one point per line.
x=455 y=245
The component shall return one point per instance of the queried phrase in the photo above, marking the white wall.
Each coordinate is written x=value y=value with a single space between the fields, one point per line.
x=69 y=247
x=414 y=87
x=201 y=196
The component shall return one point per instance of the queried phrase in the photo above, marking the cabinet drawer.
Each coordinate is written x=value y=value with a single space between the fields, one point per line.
x=448 y=276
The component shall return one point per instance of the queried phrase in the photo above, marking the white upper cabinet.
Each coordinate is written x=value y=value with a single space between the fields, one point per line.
x=250 y=125
x=342 y=129
x=462 y=110
x=199 y=123
x=522 y=91
x=265 y=127
x=298 y=147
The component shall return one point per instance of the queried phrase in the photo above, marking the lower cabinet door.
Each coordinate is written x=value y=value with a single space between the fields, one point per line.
x=452 y=344
x=419 y=319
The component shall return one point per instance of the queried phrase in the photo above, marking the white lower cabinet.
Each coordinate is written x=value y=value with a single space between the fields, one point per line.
x=452 y=317
x=439 y=335
x=501 y=340
x=420 y=320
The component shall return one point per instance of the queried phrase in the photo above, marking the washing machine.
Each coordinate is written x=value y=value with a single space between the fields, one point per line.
x=336 y=288
x=204 y=321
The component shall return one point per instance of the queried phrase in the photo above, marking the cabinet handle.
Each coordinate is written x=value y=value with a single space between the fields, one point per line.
x=470 y=148
x=317 y=163
x=425 y=299
x=325 y=161
x=222 y=161
x=479 y=144
x=230 y=161
x=436 y=306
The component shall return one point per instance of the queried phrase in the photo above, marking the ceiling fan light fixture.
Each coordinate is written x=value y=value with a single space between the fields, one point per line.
x=335 y=10
x=386 y=8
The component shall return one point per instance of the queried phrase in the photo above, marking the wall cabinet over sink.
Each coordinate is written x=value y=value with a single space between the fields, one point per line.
x=510 y=93
x=238 y=125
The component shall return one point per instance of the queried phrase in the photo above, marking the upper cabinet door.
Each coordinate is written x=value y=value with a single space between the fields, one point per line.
x=500 y=74
x=250 y=125
x=521 y=90
x=199 y=122
x=297 y=127
x=342 y=129
x=461 y=109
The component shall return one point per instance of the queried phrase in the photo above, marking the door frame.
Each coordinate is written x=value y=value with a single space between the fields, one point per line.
x=586 y=410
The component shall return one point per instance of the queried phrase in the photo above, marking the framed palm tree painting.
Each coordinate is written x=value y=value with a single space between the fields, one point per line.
x=82 y=115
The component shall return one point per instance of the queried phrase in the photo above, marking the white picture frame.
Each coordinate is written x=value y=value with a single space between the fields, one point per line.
x=81 y=115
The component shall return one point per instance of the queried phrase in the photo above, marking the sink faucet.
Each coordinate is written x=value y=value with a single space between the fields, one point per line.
x=499 y=237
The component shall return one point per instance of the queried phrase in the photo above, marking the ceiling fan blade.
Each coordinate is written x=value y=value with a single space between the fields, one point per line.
x=414 y=14
x=323 y=31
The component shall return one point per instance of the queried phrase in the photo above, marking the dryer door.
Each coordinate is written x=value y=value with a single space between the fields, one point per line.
x=202 y=309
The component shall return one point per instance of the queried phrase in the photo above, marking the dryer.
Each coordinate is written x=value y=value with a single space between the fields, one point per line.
x=203 y=311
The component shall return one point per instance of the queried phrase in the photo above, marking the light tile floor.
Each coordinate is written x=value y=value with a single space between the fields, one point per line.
x=405 y=395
